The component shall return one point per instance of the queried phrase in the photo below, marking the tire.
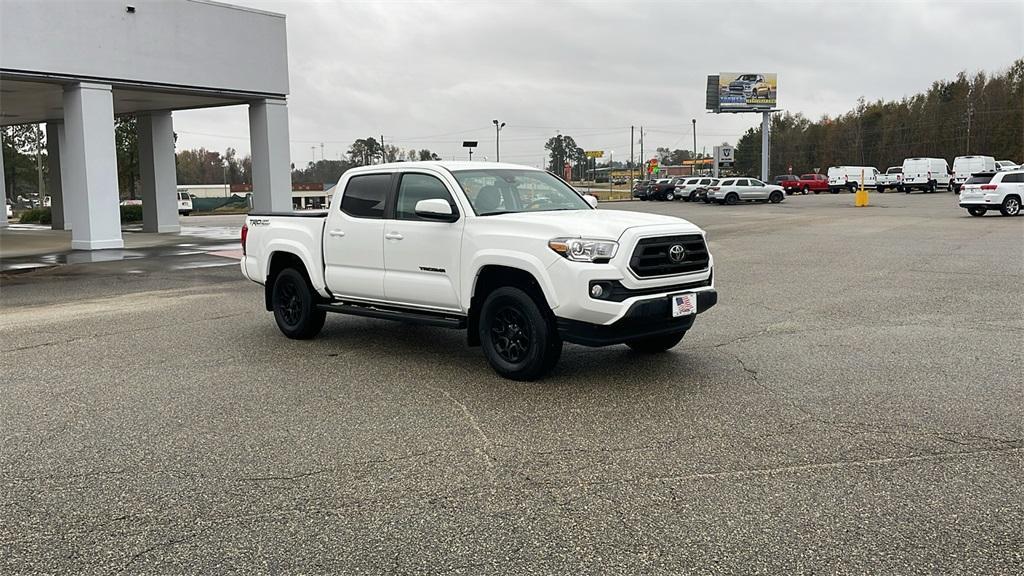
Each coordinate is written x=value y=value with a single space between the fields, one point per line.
x=655 y=344
x=775 y=197
x=880 y=189
x=931 y=188
x=1010 y=206
x=816 y=192
x=851 y=187
x=804 y=191
x=294 y=304
x=732 y=198
x=976 y=211
x=834 y=190
x=906 y=190
x=670 y=196
x=693 y=196
x=519 y=339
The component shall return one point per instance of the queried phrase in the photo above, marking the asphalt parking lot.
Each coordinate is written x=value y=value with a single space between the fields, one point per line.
x=854 y=404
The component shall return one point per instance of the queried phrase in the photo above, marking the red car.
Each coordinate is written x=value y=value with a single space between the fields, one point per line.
x=816 y=183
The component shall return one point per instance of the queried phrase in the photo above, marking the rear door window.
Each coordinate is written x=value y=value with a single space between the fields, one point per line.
x=1013 y=178
x=366 y=196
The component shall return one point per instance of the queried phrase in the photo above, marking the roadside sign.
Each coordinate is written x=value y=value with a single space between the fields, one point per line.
x=594 y=153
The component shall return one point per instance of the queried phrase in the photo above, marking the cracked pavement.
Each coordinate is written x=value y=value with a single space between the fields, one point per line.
x=854 y=404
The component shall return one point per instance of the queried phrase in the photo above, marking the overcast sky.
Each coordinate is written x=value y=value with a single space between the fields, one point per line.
x=432 y=74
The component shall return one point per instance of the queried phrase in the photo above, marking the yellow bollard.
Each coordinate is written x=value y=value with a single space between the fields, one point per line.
x=860 y=198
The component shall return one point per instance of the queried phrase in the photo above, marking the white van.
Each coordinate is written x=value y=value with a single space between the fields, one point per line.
x=964 y=166
x=927 y=174
x=848 y=178
x=184 y=203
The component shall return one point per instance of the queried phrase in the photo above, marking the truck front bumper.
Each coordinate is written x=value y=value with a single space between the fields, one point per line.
x=648 y=317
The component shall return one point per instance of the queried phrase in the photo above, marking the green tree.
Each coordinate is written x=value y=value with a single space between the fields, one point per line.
x=20 y=144
x=126 y=143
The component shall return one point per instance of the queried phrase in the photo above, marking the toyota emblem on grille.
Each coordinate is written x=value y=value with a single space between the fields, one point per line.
x=676 y=253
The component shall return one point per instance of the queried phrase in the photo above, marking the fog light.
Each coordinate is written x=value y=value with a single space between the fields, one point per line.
x=597 y=290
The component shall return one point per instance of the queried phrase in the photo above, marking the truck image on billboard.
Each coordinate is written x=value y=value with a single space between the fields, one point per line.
x=739 y=92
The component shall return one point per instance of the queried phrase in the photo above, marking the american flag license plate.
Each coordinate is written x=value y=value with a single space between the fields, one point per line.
x=684 y=304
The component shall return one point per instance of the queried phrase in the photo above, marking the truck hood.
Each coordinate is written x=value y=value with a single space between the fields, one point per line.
x=600 y=224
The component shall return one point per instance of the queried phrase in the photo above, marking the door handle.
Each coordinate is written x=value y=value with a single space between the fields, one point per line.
x=337 y=233
x=394 y=236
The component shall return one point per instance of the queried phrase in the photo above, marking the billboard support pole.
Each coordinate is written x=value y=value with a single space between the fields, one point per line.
x=766 y=127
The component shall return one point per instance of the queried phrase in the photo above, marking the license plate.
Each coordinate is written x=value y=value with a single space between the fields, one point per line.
x=684 y=305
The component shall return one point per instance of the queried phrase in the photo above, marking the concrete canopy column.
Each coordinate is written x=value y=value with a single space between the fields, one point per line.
x=90 y=167
x=157 y=172
x=3 y=189
x=271 y=163
x=58 y=210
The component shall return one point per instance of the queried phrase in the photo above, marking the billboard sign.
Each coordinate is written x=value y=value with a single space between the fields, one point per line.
x=747 y=91
x=595 y=153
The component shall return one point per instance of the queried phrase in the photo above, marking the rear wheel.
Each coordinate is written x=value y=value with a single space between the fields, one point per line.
x=732 y=198
x=1010 y=207
x=519 y=339
x=294 y=305
x=931 y=187
x=655 y=344
x=775 y=197
x=851 y=187
x=976 y=211
x=804 y=192
x=670 y=196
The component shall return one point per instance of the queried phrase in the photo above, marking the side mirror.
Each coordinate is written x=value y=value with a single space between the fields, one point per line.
x=591 y=199
x=436 y=209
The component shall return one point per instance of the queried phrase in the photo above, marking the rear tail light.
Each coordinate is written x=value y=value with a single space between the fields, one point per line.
x=245 y=235
x=989 y=186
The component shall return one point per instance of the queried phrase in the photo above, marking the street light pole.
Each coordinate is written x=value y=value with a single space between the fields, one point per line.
x=497 y=140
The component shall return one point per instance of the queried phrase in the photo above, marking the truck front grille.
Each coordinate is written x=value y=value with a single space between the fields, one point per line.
x=652 y=256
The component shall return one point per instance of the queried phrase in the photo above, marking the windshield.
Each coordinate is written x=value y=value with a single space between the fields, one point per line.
x=500 y=191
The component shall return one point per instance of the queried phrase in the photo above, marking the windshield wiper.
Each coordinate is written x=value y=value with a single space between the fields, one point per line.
x=499 y=212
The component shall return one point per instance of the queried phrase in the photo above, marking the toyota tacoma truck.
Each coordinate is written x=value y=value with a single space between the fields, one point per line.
x=513 y=255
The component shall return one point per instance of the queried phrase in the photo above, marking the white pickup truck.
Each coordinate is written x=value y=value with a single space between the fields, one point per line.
x=512 y=254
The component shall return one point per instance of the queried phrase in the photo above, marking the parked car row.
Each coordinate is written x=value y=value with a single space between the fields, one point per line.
x=924 y=174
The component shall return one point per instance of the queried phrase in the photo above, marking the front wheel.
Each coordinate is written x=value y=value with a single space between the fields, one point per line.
x=294 y=306
x=1010 y=207
x=670 y=196
x=976 y=211
x=775 y=197
x=880 y=189
x=732 y=199
x=804 y=192
x=655 y=344
x=520 y=341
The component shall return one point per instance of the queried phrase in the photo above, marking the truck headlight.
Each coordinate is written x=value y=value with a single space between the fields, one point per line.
x=584 y=249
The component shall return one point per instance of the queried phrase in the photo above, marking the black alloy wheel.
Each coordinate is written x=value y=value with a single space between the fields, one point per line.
x=510 y=335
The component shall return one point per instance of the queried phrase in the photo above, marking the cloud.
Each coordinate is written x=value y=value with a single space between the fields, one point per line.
x=430 y=74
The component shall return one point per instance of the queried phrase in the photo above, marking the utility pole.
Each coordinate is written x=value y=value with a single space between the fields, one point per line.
x=312 y=151
x=694 y=146
x=643 y=160
x=632 y=159
x=383 y=159
x=321 y=151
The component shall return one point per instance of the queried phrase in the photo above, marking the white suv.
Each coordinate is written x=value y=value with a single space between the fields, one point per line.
x=986 y=191
x=732 y=190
